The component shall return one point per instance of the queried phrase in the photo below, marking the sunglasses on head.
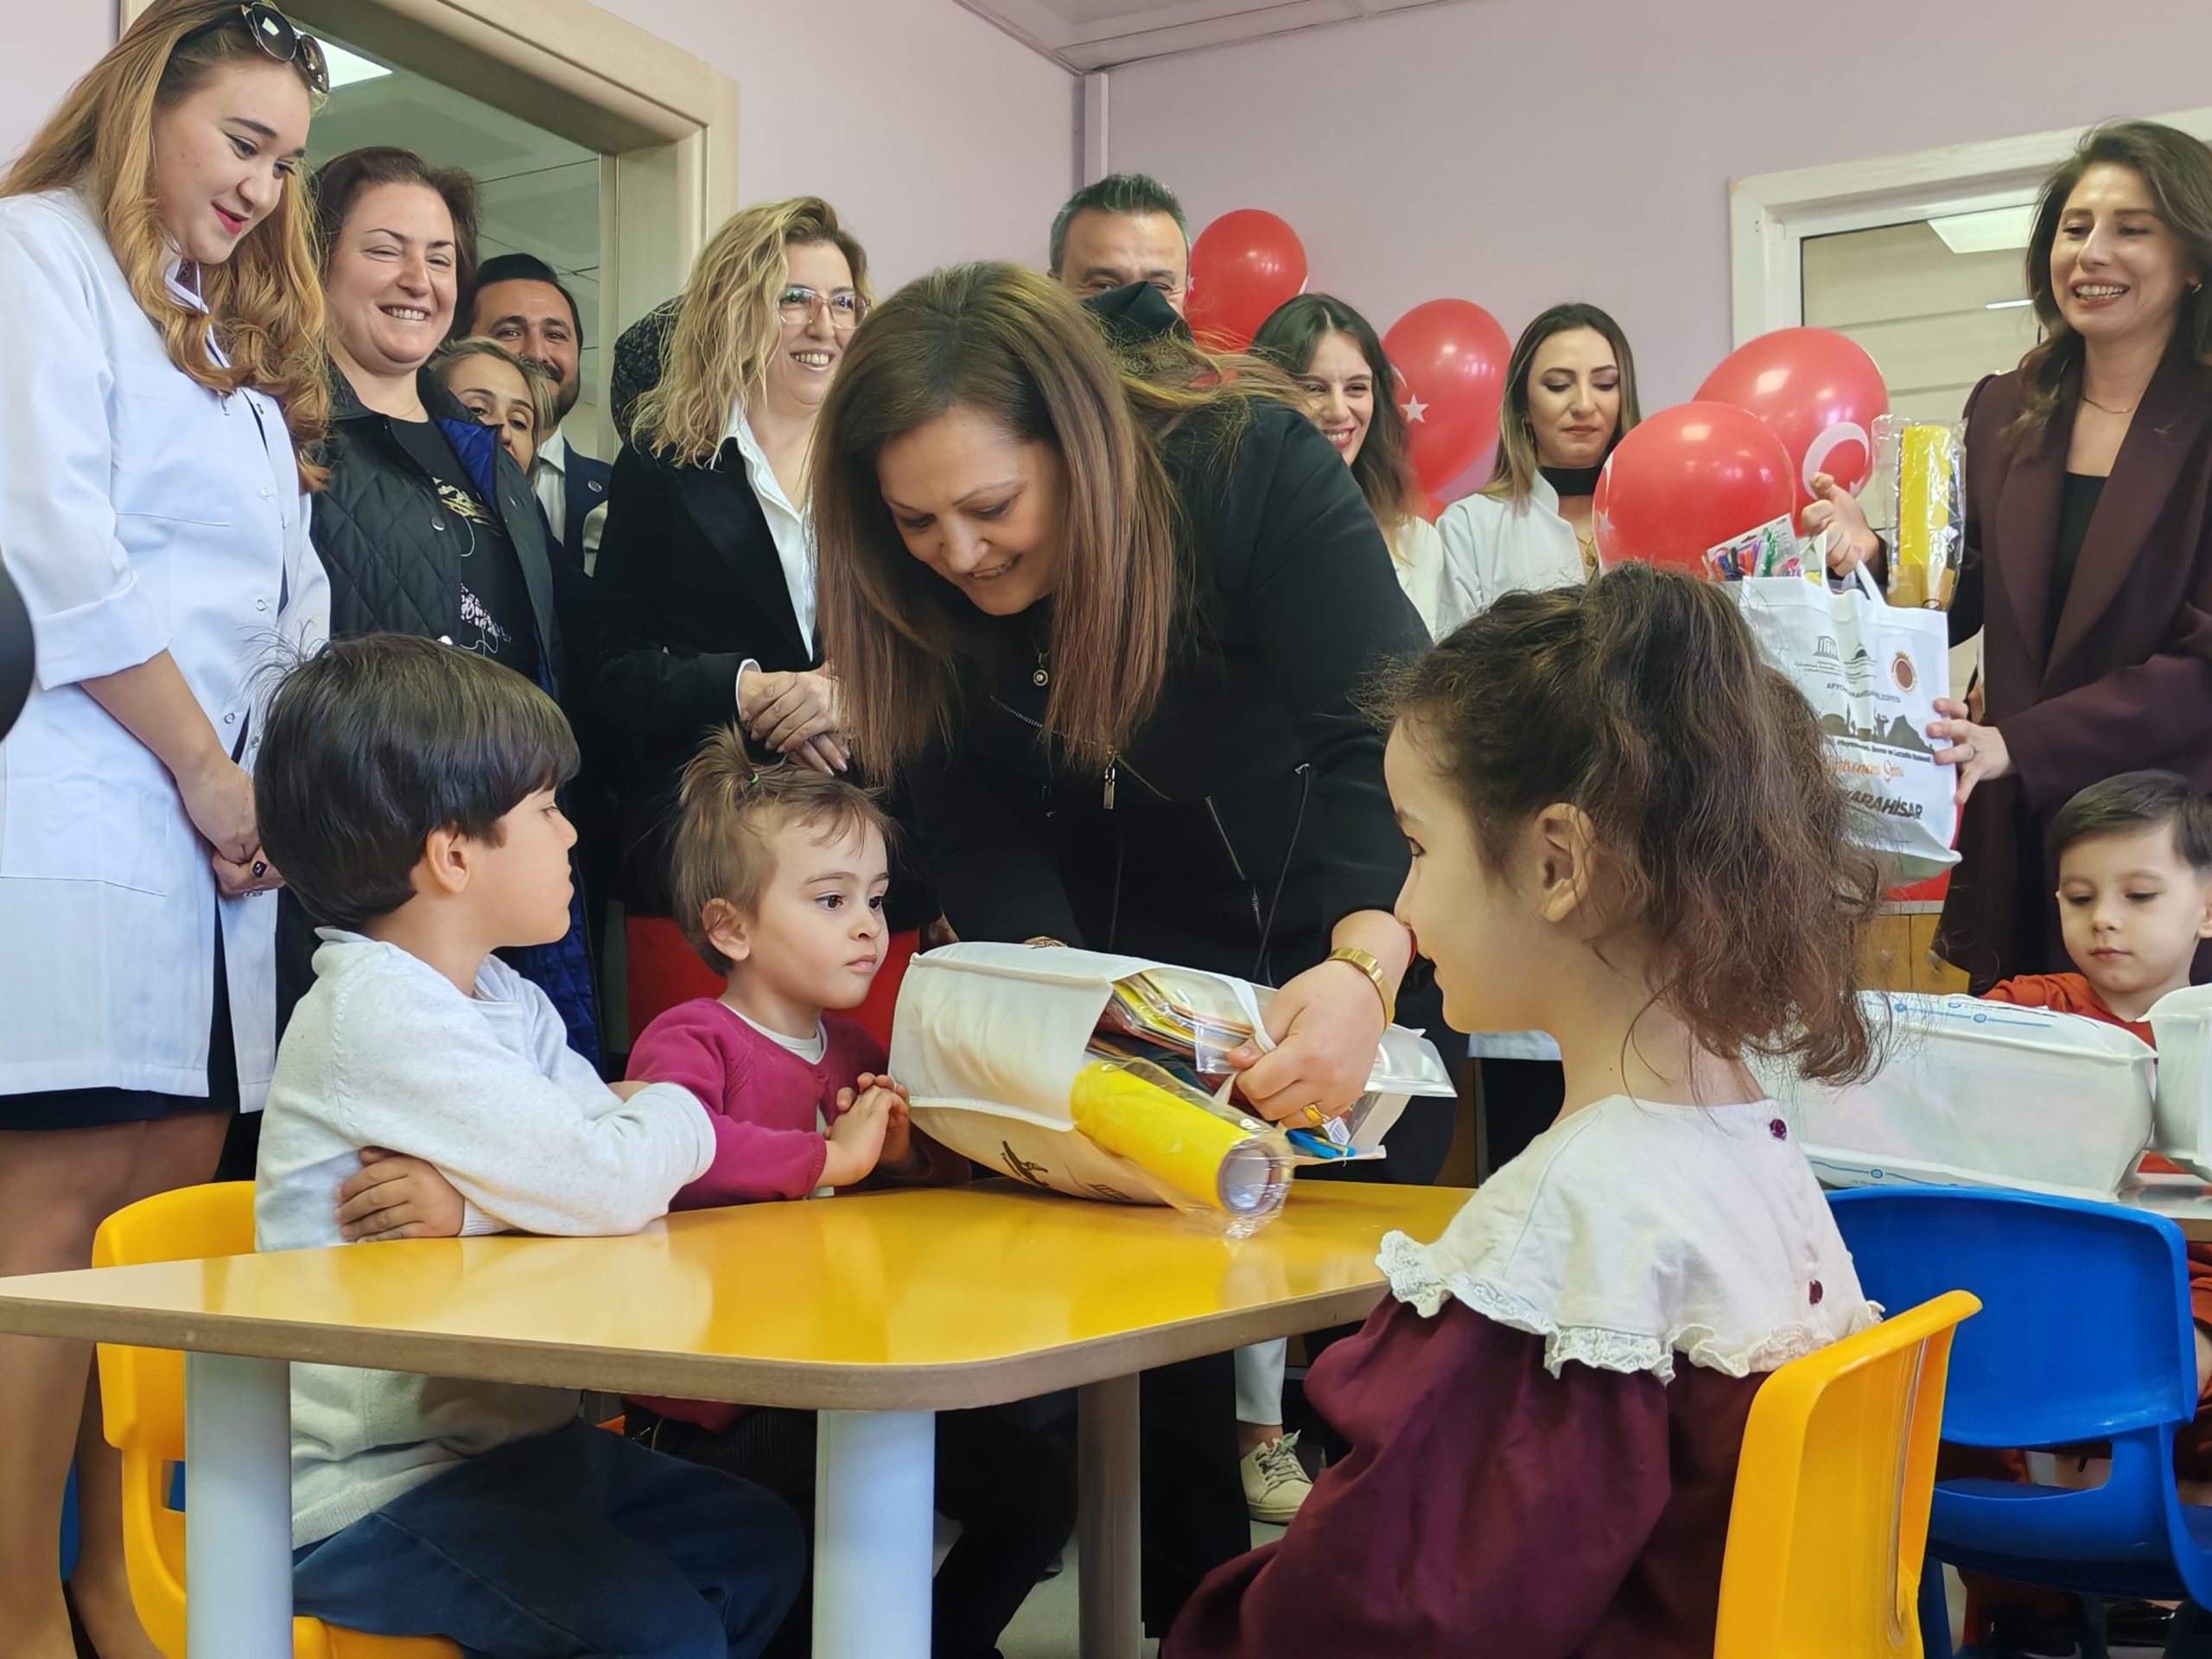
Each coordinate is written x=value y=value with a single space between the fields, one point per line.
x=277 y=36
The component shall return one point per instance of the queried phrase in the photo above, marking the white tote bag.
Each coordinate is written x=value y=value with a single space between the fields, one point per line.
x=1872 y=672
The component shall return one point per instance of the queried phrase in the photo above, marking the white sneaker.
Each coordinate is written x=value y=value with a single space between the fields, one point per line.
x=1275 y=1482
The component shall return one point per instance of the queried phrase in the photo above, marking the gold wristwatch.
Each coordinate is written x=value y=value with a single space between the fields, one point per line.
x=1365 y=961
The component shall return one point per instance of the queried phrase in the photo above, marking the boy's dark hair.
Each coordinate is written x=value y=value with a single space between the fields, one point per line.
x=374 y=744
x=2136 y=800
x=1117 y=192
x=1642 y=699
x=726 y=808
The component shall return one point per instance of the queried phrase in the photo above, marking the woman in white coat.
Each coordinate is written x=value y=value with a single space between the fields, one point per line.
x=1334 y=353
x=160 y=373
x=1570 y=396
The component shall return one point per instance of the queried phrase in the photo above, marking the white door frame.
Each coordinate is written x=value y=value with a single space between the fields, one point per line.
x=664 y=122
x=1771 y=215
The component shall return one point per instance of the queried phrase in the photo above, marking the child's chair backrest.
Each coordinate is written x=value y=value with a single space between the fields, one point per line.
x=141 y=1400
x=2022 y=1373
x=141 y=1389
x=1829 y=1525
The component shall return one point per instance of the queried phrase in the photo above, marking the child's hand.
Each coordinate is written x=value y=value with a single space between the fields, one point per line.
x=624 y=1091
x=399 y=1197
x=899 y=1156
x=856 y=1138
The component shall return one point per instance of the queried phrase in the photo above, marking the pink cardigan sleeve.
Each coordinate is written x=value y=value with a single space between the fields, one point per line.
x=751 y=1161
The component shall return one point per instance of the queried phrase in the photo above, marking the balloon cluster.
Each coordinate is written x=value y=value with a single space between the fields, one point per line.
x=1450 y=354
x=1779 y=411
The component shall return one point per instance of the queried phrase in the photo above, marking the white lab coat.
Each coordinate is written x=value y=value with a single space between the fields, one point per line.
x=1417 y=556
x=139 y=511
x=1492 y=548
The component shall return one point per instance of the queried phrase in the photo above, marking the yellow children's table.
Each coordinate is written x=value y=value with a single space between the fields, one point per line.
x=877 y=1310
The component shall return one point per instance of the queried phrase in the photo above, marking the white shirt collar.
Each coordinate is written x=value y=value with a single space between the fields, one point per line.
x=766 y=485
x=1541 y=493
x=554 y=452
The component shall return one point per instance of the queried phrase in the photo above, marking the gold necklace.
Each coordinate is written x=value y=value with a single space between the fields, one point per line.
x=2108 y=408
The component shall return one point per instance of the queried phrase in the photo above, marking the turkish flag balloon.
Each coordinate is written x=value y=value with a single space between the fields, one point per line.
x=1686 y=479
x=1450 y=356
x=1243 y=266
x=1819 y=390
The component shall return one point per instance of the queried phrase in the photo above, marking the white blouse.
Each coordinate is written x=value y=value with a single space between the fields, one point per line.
x=1493 y=547
x=139 y=512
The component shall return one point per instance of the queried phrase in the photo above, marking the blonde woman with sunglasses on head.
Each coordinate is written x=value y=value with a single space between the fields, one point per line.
x=161 y=379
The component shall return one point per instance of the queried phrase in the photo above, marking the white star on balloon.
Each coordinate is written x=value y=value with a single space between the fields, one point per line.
x=1416 y=410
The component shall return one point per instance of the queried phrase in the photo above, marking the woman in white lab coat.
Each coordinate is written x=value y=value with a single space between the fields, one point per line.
x=1334 y=353
x=161 y=372
x=1570 y=396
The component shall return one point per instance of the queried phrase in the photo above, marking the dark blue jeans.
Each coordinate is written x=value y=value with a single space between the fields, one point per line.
x=563 y=1545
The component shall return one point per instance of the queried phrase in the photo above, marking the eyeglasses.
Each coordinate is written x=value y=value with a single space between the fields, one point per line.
x=799 y=304
x=277 y=36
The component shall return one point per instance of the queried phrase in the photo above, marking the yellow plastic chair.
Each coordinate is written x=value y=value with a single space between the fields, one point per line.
x=1829 y=1528
x=142 y=1395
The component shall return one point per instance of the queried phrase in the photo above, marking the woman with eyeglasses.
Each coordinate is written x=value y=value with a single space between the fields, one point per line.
x=161 y=385
x=705 y=577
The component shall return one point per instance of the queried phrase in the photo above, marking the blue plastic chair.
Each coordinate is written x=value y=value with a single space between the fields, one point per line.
x=2084 y=1335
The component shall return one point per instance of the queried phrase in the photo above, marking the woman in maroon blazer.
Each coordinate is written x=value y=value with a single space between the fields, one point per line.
x=2088 y=560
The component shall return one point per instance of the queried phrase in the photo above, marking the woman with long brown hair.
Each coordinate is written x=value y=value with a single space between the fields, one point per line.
x=1107 y=626
x=1351 y=392
x=2088 y=562
x=1570 y=396
x=161 y=381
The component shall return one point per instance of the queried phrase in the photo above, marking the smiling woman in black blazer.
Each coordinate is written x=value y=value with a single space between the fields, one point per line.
x=706 y=566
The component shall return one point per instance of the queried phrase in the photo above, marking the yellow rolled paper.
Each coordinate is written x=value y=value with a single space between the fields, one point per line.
x=1208 y=1159
x=1917 y=577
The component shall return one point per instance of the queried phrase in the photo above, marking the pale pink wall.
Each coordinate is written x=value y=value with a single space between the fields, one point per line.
x=43 y=56
x=938 y=137
x=1521 y=152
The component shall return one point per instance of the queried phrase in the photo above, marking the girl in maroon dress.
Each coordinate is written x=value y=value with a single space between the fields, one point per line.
x=1625 y=833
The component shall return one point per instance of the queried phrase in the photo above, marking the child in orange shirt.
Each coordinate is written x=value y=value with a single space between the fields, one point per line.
x=2134 y=902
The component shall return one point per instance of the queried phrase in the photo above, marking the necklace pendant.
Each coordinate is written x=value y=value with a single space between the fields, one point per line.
x=1042 y=676
x=1113 y=776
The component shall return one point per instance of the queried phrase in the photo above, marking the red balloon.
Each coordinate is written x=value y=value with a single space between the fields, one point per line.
x=1450 y=356
x=1687 y=480
x=1818 y=389
x=1243 y=266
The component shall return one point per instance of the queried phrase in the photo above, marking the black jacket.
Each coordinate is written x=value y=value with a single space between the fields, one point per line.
x=393 y=564
x=1248 y=813
x=392 y=561
x=689 y=585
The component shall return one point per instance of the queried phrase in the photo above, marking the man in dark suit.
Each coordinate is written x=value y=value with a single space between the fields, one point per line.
x=520 y=303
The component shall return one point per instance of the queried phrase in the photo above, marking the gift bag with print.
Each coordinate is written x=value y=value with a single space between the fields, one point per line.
x=1872 y=672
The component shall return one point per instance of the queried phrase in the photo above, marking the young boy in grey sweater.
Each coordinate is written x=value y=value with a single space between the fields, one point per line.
x=406 y=791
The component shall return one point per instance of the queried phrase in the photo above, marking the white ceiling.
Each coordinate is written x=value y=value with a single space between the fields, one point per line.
x=1084 y=34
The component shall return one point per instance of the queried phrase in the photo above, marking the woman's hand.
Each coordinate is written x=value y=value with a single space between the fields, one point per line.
x=1325 y=1024
x=219 y=799
x=1851 y=543
x=1977 y=751
x=794 y=714
x=234 y=879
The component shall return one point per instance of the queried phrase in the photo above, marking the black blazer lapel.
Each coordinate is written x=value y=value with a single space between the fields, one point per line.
x=719 y=502
x=2166 y=427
